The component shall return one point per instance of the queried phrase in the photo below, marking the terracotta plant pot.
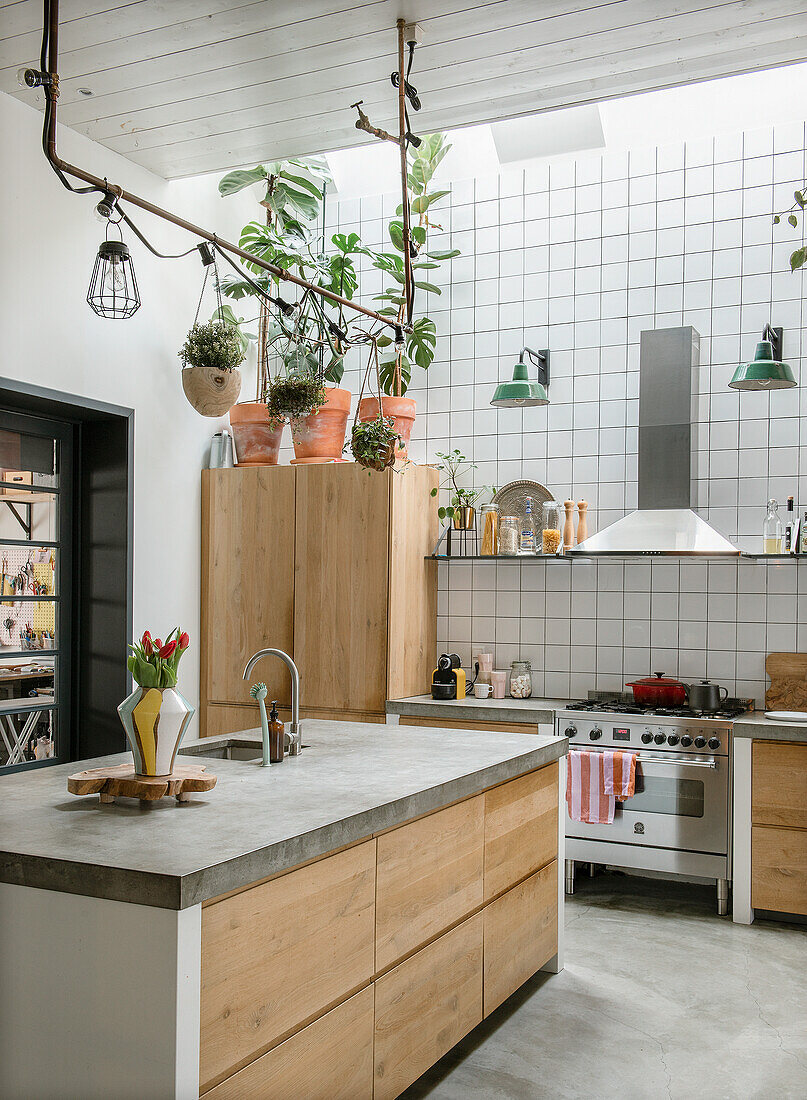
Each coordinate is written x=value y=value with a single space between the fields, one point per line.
x=257 y=438
x=155 y=720
x=320 y=437
x=401 y=409
x=212 y=392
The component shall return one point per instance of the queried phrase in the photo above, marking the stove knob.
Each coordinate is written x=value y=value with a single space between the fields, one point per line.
x=672 y=739
x=714 y=742
x=595 y=734
x=647 y=737
x=660 y=738
x=571 y=731
x=686 y=741
x=700 y=742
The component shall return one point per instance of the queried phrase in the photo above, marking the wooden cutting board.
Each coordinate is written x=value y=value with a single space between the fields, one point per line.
x=788 y=675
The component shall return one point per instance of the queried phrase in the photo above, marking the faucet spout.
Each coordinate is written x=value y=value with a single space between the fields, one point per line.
x=295 y=731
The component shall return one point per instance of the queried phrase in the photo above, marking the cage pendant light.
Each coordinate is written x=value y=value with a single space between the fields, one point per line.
x=113 y=287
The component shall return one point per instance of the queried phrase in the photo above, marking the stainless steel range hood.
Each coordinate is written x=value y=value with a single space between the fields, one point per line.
x=665 y=522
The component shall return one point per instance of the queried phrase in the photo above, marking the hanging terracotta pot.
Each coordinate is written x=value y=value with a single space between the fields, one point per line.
x=211 y=391
x=257 y=436
x=320 y=437
x=401 y=409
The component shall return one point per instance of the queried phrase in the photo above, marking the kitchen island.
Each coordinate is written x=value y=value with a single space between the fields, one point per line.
x=330 y=926
x=770 y=817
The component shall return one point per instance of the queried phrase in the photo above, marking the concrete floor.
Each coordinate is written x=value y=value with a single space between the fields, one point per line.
x=659 y=998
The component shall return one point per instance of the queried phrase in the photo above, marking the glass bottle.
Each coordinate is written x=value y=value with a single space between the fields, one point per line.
x=772 y=530
x=490 y=530
x=551 y=538
x=520 y=680
x=509 y=535
x=527 y=541
x=789 y=546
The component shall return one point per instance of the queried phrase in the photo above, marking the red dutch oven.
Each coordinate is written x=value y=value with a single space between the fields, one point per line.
x=659 y=691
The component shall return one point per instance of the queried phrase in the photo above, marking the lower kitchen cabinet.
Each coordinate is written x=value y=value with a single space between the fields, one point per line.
x=350 y=976
x=779 y=827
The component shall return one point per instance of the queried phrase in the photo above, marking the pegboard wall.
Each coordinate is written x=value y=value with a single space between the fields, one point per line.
x=27 y=571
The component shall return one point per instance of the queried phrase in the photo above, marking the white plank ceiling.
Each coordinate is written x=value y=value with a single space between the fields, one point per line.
x=190 y=86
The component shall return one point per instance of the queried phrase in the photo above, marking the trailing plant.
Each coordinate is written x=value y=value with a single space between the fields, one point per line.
x=214 y=344
x=294 y=396
x=799 y=257
x=311 y=333
x=153 y=663
x=421 y=343
x=373 y=443
x=455 y=466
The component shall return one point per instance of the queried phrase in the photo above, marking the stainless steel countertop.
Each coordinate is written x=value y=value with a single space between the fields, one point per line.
x=354 y=779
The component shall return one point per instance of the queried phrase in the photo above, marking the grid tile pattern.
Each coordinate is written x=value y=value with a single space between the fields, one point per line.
x=580 y=257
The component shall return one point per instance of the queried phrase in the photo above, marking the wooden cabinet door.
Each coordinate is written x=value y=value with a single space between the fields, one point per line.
x=247 y=596
x=779 y=784
x=429 y=877
x=280 y=954
x=425 y=1006
x=521 y=828
x=340 y=614
x=521 y=934
x=779 y=869
x=331 y=1059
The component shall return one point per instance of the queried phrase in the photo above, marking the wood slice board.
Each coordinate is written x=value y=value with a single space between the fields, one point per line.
x=121 y=781
x=788 y=676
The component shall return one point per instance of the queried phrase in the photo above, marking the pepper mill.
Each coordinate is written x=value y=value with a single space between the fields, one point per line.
x=568 y=527
x=582 y=523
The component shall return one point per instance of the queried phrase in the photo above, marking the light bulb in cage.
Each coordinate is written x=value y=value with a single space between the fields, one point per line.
x=113 y=287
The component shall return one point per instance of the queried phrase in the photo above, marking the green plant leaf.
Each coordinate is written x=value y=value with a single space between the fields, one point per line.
x=798 y=259
x=422 y=203
x=793 y=220
x=395 y=229
x=419 y=234
x=776 y=219
x=335 y=370
x=241 y=178
x=347 y=243
x=422 y=342
x=386 y=370
x=799 y=197
x=430 y=288
x=444 y=255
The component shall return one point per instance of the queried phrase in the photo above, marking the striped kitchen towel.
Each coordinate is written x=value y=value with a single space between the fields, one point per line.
x=585 y=789
x=620 y=774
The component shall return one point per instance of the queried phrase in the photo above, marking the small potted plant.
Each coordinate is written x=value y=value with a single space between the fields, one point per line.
x=374 y=443
x=211 y=356
x=155 y=716
x=461 y=509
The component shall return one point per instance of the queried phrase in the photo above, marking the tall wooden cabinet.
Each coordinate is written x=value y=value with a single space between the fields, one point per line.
x=329 y=564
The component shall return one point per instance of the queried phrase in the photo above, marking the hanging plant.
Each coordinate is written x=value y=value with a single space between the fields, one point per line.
x=210 y=358
x=373 y=443
x=294 y=396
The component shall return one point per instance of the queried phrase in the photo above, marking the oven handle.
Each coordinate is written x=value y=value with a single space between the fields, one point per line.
x=678 y=763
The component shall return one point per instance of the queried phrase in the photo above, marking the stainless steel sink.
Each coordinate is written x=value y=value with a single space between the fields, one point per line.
x=222 y=748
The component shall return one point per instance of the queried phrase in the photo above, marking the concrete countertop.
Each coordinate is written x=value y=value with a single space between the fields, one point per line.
x=760 y=728
x=534 y=709
x=354 y=779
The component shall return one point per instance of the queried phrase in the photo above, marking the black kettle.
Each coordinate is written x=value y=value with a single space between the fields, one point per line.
x=706 y=695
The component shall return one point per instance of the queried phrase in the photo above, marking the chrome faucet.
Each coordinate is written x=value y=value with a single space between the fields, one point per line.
x=295 y=732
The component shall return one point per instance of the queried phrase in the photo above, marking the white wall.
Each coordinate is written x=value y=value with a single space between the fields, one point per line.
x=52 y=338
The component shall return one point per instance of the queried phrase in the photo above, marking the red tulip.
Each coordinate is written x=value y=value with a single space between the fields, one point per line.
x=184 y=640
x=157 y=643
x=166 y=650
x=146 y=643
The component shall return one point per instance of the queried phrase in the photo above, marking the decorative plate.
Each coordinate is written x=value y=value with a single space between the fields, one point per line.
x=512 y=498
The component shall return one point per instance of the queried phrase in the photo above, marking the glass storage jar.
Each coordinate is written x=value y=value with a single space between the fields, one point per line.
x=520 y=680
x=509 y=536
x=489 y=546
x=551 y=526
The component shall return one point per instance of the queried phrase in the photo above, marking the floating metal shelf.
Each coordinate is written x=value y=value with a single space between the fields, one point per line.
x=684 y=556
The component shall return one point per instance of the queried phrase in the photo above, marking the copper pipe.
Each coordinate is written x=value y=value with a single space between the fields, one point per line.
x=404 y=188
x=51 y=90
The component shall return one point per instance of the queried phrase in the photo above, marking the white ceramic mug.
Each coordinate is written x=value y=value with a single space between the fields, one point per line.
x=481 y=691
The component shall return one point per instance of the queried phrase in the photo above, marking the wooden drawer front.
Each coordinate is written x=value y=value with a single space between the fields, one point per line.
x=331 y=1059
x=469 y=724
x=779 y=784
x=429 y=877
x=779 y=869
x=426 y=1005
x=280 y=954
x=521 y=828
x=521 y=934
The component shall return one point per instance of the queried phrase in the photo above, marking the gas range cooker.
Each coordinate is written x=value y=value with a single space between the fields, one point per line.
x=626 y=706
x=685 y=733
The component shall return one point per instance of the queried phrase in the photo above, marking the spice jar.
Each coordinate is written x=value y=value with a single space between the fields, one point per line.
x=509 y=535
x=551 y=538
x=490 y=530
x=520 y=680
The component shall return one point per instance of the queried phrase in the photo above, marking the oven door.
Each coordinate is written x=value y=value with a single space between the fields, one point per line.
x=679 y=803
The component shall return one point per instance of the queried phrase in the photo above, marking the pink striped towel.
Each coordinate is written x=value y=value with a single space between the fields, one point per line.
x=595 y=781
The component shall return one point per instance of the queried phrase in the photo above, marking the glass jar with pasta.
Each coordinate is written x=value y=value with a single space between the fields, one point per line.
x=551 y=537
x=489 y=546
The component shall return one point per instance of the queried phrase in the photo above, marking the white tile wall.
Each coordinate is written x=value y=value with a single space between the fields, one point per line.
x=580 y=258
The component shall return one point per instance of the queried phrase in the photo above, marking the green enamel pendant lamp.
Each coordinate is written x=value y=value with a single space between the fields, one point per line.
x=766 y=371
x=520 y=392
